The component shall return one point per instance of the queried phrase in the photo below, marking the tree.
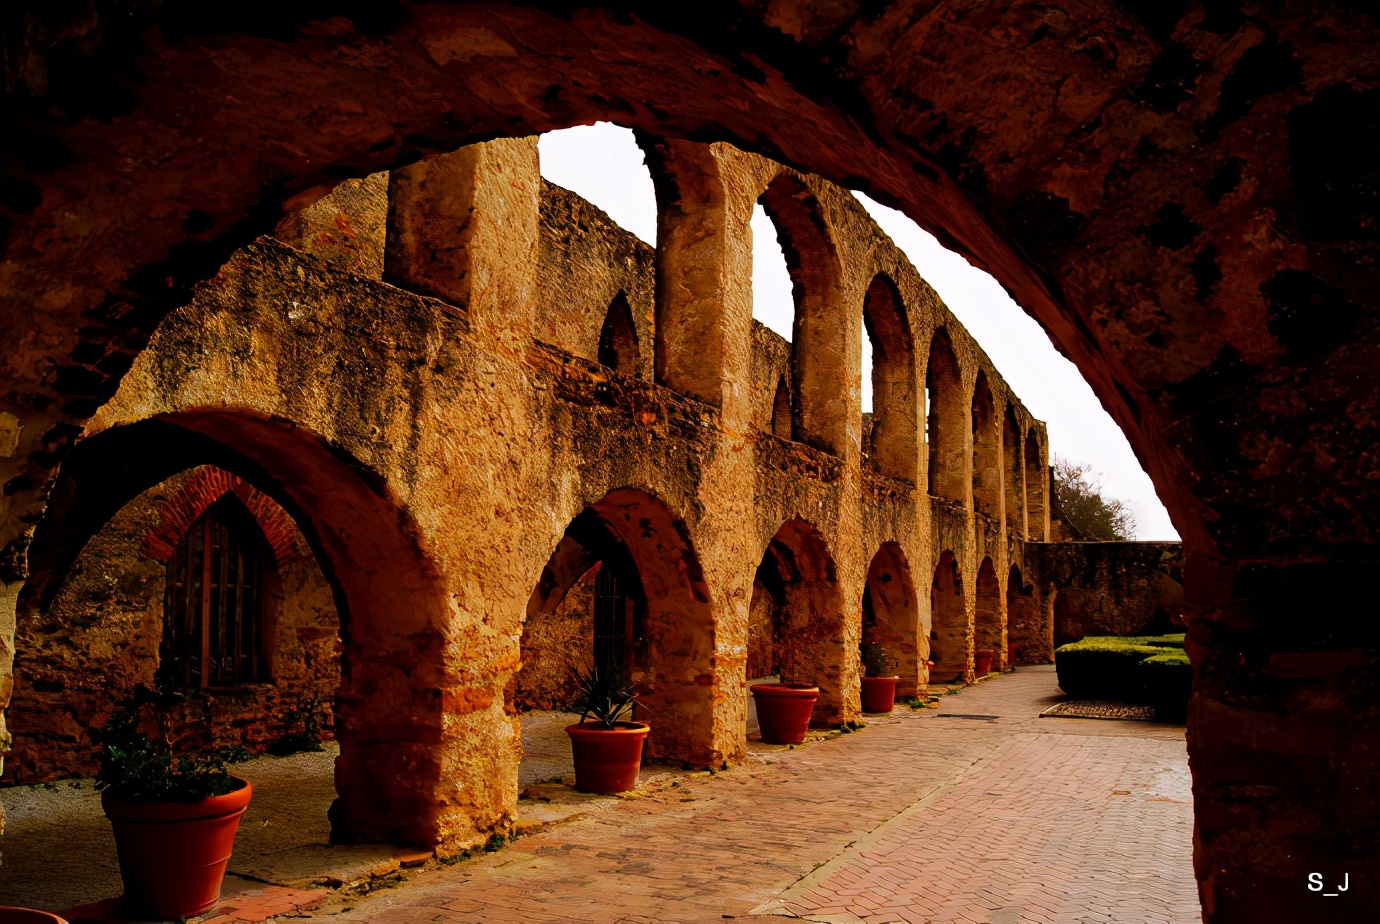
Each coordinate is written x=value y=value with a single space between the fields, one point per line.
x=1079 y=500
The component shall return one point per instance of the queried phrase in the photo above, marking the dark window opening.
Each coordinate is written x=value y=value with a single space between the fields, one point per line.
x=212 y=611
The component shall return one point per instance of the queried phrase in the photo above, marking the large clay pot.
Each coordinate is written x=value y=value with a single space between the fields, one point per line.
x=173 y=854
x=10 y=915
x=983 y=661
x=783 y=710
x=607 y=759
x=879 y=694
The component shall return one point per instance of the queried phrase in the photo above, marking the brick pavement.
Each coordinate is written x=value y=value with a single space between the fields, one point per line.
x=923 y=816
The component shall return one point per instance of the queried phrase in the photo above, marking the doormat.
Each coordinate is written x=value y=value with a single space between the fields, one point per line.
x=1099 y=709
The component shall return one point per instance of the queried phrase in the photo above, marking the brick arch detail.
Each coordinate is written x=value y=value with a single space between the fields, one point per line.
x=207 y=485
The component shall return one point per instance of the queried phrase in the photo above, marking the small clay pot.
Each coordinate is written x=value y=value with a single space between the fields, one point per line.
x=879 y=694
x=783 y=710
x=173 y=854
x=10 y=915
x=607 y=760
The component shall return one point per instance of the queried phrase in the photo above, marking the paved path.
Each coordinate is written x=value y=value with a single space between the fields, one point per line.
x=976 y=812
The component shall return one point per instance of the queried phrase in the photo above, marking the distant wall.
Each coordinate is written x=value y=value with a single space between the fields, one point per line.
x=1108 y=588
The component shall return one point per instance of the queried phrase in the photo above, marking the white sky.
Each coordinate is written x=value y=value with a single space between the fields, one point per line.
x=603 y=163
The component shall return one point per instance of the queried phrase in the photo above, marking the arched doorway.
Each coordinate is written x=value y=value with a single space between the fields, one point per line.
x=797 y=589
x=951 y=639
x=1036 y=489
x=1029 y=628
x=986 y=452
x=891 y=617
x=988 y=624
x=1013 y=472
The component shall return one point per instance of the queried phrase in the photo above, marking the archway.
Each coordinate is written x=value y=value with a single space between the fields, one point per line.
x=797 y=587
x=891 y=617
x=200 y=585
x=618 y=348
x=1013 y=471
x=781 y=410
x=1036 y=490
x=947 y=421
x=389 y=709
x=1031 y=636
x=894 y=445
x=819 y=333
x=656 y=617
x=987 y=492
x=988 y=622
x=951 y=637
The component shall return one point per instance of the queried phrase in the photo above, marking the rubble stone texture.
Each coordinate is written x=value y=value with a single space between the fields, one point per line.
x=1182 y=193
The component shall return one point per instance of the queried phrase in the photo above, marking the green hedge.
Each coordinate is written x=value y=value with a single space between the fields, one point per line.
x=1143 y=669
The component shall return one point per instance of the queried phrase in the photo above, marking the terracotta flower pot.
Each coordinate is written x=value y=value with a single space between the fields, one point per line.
x=173 y=854
x=783 y=710
x=607 y=760
x=10 y=915
x=984 y=661
x=879 y=694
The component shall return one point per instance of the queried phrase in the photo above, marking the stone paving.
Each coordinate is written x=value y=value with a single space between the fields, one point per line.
x=976 y=811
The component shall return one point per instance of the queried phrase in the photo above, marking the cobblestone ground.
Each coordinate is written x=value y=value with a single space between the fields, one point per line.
x=975 y=812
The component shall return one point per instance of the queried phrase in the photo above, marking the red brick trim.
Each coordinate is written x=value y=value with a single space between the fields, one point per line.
x=207 y=485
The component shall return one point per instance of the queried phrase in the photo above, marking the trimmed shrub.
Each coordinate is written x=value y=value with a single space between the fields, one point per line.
x=1102 y=668
x=1167 y=680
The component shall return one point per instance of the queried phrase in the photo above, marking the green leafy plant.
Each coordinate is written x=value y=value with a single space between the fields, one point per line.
x=142 y=767
x=875 y=661
x=603 y=692
x=310 y=715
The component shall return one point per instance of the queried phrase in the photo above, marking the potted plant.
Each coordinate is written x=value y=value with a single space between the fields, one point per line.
x=174 y=816
x=608 y=750
x=784 y=709
x=878 y=683
x=982 y=662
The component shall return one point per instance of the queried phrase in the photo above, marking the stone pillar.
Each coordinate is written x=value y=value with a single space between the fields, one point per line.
x=464 y=228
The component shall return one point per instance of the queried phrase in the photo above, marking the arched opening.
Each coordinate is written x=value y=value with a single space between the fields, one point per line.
x=391 y=609
x=781 y=410
x=946 y=424
x=951 y=637
x=623 y=588
x=1013 y=472
x=796 y=592
x=1029 y=630
x=819 y=335
x=1036 y=490
x=894 y=450
x=988 y=623
x=986 y=454
x=618 y=337
x=891 y=617
x=201 y=585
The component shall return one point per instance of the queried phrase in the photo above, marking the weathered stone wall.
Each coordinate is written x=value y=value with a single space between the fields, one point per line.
x=1109 y=588
x=99 y=639
x=552 y=642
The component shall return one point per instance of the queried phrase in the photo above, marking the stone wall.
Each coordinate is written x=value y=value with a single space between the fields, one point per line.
x=1108 y=588
x=100 y=638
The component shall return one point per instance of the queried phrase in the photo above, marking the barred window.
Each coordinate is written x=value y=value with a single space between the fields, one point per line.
x=212 y=613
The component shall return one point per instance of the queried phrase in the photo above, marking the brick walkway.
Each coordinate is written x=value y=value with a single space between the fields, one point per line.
x=978 y=812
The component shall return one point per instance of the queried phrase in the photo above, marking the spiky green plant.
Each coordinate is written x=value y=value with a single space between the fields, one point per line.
x=603 y=692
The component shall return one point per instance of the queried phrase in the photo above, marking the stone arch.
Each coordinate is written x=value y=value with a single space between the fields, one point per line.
x=1013 y=472
x=781 y=410
x=207 y=485
x=618 y=348
x=895 y=450
x=673 y=625
x=392 y=703
x=947 y=423
x=819 y=338
x=1029 y=630
x=811 y=639
x=988 y=622
x=987 y=496
x=951 y=634
x=891 y=616
x=1036 y=489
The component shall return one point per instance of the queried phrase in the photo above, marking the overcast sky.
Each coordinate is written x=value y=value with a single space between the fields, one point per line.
x=603 y=164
